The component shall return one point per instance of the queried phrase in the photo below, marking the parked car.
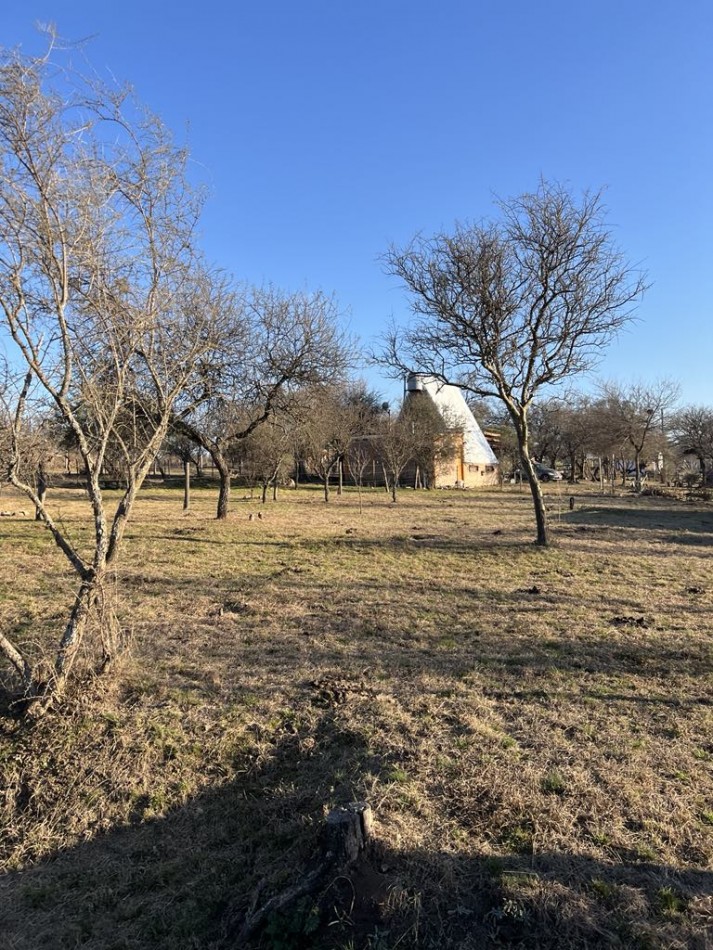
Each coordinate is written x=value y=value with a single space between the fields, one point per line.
x=546 y=474
x=543 y=472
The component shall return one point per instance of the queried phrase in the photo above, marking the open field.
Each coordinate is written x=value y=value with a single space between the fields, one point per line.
x=533 y=728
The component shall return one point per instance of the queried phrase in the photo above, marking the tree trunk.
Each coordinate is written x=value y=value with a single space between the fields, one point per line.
x=186 y=485
x=326 y=487
x=22 y=666
x=637 y=472
x=393 y=487
x=39 y=694
x=41 y=491
x=224 y=490
x=263 y=497
x=519 y=418
x=340 y=476
x=538 y=501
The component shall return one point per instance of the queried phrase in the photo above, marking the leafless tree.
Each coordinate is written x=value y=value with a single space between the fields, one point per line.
x=333 y=417
x=418 y=433
x=635 y=412
x=693 y=433
x=103 y=313
x=561 y=427
x=275 y=344
x=504 y=309
x=576 y=432
x=546 y=420
x=264 y=455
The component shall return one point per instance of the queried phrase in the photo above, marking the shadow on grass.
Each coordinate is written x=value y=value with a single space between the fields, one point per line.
x=676 y=524
x=187 y=879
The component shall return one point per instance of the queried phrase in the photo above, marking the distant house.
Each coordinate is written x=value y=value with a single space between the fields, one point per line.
x=473 y=463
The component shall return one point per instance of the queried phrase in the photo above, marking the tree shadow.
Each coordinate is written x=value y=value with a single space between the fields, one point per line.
x=675 y=525
x=187 y=879
x=170 y=881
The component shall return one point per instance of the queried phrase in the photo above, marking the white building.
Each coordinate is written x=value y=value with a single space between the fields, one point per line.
x=475 y=464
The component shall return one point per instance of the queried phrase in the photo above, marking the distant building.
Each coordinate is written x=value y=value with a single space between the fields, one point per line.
x=474 y=464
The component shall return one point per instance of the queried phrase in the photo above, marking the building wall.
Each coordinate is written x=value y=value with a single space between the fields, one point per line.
x=457 y=472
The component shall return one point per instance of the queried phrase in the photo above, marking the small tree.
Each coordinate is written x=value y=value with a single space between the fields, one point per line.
x=274 y=345
x=546 y=430
x=103 y=310
x=506 y=308
x=417 y=433
x=576 y=433
x=635 y=412
x=262 y=457
x=693 y=433
x=332 y=417
x=189 y=454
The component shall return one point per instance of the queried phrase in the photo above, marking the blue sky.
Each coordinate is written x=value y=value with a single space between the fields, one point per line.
x=326 y=129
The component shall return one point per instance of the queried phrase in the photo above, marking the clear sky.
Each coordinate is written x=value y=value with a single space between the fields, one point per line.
x=326 y=129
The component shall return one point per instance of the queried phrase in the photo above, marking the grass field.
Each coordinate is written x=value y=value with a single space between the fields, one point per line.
x=533 y=728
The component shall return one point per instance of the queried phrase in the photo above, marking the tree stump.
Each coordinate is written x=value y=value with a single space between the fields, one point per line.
x=346 y=835
x=347 y=832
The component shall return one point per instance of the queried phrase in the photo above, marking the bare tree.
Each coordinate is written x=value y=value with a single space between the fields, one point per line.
x=103 y=312
x=418 y=433
x=562 y=427
x=693 y=433
x=576 y=433
x=635 y=413
x=275 y=344
x=506 y=308
x=262 y=457
x=333 y=417
x=546 y=419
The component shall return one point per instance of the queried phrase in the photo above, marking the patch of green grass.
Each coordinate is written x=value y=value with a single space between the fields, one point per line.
x=670 y=903
x=604 y=890
x=397 y=774
x=519 y=838
x=553 y=783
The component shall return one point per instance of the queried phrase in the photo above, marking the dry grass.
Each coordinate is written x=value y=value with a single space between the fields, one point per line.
x=533 y=728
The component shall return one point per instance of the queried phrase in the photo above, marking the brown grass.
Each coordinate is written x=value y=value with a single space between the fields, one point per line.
x=532 y=728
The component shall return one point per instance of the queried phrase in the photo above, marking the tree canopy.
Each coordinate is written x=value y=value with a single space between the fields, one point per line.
x=507 y=307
